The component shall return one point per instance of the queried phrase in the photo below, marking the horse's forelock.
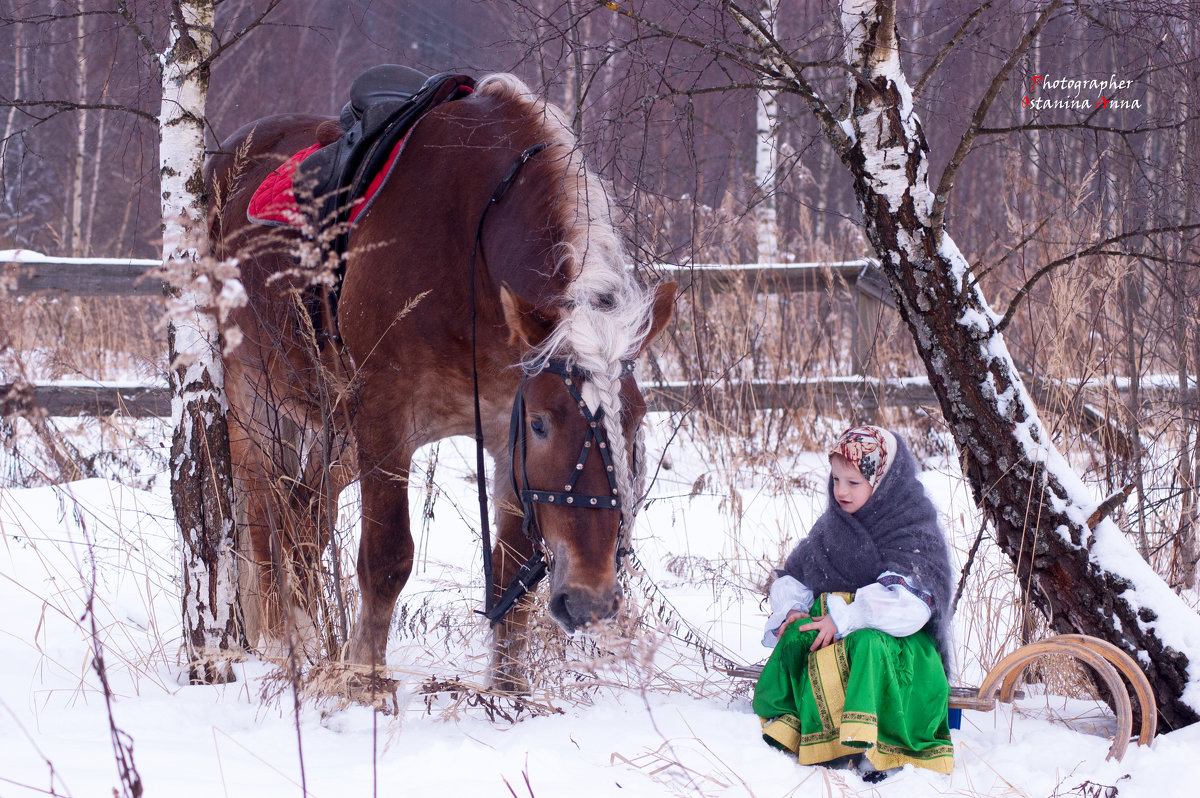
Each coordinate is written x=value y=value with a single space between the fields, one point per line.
x=604 y=320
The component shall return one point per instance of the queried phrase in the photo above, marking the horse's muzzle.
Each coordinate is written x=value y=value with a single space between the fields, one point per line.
x=575 y=607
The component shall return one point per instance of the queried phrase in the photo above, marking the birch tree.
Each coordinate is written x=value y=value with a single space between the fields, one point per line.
x=766 y=153
x=1070 y=558
x=1077 y=565
x=201 y=478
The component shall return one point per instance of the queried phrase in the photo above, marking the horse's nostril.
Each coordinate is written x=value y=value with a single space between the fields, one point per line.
x=560 y=612
x=575 y=609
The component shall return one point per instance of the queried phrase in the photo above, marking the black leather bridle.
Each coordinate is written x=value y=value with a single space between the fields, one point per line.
x=595 y=438
x=535 y=568
x=596 y=435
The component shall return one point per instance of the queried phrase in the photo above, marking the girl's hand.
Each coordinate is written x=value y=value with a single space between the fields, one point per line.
x=792 y=617
x=825 y=627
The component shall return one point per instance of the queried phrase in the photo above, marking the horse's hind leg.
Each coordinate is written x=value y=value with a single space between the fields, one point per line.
x=327 y=471
x=257 y=586
x=278 y=547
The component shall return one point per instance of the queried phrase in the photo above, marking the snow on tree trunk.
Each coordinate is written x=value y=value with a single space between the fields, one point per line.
x=1076 y=567
x=766 y=156
x=201 y=480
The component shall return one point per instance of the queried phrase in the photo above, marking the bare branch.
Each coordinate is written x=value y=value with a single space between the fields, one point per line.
x=666 y=33
x=792 y=72
x=238 y=37
x=1085 y=125
x=42 y=19
x=1013 y=249
x=1094 y=249
x=64 y=106
x=143 y=39
x=948 y=47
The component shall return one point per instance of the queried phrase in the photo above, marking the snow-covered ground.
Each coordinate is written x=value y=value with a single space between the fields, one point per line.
x=655 y=722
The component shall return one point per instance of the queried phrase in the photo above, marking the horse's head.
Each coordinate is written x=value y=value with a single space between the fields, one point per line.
x=574 y=461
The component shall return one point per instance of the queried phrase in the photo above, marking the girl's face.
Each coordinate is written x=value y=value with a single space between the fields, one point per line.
x=850 y=489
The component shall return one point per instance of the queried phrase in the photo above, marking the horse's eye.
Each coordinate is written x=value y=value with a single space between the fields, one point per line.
x=538 y=425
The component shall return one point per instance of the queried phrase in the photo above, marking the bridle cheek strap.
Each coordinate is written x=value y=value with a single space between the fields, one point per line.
x=595 y=439
x=485 y=529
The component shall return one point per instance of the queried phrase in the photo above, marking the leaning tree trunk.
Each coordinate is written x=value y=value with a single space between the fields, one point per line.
x=201 y=481
x=1073 y=562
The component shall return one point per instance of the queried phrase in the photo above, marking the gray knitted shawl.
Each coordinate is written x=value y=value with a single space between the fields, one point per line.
x=896 y=530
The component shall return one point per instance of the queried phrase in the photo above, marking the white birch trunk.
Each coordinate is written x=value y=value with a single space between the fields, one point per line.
x=81 y=120
x=766 y=157
x=201 y=482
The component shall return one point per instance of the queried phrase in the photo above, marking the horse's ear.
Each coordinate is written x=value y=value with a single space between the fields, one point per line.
x=660 y=313
x=525 y=323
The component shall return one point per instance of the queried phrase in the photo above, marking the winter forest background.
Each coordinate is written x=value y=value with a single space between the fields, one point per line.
x=1076 y=210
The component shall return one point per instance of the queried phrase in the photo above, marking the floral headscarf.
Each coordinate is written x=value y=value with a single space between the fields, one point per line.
x=870 y=449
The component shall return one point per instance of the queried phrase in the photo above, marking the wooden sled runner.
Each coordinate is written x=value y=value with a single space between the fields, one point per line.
x=1105 y=659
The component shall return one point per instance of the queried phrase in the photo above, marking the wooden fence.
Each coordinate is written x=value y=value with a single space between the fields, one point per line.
x=100 y=277
x=860 y=281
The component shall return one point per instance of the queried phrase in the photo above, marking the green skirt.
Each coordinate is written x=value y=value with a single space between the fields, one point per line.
x=868 y=693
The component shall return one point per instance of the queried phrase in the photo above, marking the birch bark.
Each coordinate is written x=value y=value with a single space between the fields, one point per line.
x=766 y=155
x=201 y=480
x=81 y=130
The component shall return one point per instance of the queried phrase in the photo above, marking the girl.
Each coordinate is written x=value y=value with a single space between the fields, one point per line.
x=860 y=621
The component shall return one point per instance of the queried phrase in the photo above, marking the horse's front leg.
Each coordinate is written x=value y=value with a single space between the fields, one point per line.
x=510 y=642
x=385 y=559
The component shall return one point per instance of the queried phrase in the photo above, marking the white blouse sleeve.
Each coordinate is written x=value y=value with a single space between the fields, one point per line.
x=787 y=594
x=892 y=604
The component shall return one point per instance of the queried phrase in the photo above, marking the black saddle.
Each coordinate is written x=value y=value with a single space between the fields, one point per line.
x=385 y=102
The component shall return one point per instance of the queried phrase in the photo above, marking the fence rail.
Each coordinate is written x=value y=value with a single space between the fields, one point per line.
x=94 y=277
x=101 y=399
x=35 y=275
x=30 y=275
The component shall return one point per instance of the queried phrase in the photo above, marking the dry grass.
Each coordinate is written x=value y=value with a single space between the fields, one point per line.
x=45 y=339
x=111 y=338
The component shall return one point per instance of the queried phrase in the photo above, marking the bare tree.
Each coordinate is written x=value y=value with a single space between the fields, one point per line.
x=201 y=476
x=201 y=480
x=766 y=153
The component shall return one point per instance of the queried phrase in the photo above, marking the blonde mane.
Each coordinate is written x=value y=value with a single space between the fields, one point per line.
x=605 y=315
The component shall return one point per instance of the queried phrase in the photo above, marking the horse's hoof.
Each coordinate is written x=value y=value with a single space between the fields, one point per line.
x=505 y=682
x=373 y=690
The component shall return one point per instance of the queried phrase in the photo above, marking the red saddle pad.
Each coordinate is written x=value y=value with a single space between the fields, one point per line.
x=274 y=201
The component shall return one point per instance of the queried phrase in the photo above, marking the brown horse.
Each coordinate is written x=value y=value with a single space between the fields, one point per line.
x=309 y=414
